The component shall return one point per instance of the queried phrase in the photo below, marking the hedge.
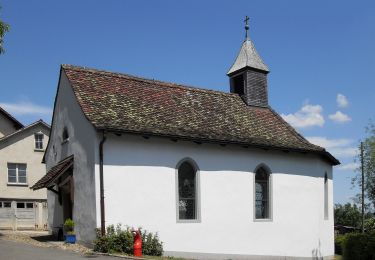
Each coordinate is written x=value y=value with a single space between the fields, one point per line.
x=358 y=246
x=119 y=240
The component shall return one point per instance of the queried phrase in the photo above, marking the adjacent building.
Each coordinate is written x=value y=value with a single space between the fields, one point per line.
x=21 y=153
x=219 y=175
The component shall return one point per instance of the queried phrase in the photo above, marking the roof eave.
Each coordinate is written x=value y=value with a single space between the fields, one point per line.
x=330 y=158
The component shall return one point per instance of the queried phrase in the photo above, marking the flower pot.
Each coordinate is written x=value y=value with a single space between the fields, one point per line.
x=71 y=239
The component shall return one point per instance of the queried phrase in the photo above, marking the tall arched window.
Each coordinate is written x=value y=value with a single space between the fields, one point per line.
x=262 y=194
x=187 y=191
x=325 y=196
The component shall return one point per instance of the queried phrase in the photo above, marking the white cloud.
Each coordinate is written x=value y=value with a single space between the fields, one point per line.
x=25 y=108
x=348 y=167
x=340 y=117
x=342 y=148
x=329 y=143
x=307 y=116
x=345 y=152
x=341 y=100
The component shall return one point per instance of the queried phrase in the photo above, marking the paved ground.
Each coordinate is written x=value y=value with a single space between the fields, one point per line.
x=12 y=250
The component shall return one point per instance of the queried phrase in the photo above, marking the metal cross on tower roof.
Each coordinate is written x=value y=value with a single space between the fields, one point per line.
x=246 y=25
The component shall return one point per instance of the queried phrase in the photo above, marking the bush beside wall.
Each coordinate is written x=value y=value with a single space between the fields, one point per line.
x=359 y=246
x=119 y=240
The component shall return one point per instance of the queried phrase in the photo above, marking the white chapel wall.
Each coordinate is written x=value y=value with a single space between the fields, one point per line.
x=82 y=143
x=140 y=190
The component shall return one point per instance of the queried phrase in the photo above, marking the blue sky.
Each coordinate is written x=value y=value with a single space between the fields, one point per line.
x=321 y=55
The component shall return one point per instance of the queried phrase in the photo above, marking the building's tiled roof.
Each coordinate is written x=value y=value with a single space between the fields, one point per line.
x=17 y=124
x=124 y=103
x=54 y=173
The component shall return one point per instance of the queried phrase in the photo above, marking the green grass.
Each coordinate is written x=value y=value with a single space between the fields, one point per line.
x=338 y=257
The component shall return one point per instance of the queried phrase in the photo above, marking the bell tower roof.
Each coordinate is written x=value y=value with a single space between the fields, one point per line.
x=248 y=56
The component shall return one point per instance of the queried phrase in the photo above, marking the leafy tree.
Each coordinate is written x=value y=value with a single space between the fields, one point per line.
x=347 y=215
x=369 y=165
x=3 y=29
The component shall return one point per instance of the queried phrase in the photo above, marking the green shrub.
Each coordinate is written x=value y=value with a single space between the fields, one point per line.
x=358 y=246
x=119 y=240
x=151 y=244
x=69 y=226
x=339 y=240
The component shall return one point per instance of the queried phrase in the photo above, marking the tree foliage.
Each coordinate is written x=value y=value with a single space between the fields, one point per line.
x=4 y=27
x=347 y=215
x=369 y=165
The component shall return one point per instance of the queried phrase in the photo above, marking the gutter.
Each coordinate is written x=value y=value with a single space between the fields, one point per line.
x=102 y=212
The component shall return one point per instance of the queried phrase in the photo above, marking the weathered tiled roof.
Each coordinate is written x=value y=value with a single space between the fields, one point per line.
x=248 y=57
x=124 y=103
x=54 y=173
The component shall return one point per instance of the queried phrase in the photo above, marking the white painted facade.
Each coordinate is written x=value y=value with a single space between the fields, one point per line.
x=140 y=190
x=18 y=147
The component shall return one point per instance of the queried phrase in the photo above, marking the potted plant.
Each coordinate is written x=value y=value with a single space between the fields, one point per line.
x=70 y=236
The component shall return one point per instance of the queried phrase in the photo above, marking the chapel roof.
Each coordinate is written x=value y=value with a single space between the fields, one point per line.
x=248 y=57
x=124 y=103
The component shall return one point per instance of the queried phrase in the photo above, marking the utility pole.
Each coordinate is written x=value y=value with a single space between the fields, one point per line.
x=363 y=190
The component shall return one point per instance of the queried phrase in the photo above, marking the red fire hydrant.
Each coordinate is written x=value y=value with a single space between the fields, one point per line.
x=137 y=246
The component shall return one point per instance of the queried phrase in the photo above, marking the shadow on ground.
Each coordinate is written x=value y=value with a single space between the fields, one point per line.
x=46 y=238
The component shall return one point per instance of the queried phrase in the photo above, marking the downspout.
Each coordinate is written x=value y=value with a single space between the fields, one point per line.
x=102 y=212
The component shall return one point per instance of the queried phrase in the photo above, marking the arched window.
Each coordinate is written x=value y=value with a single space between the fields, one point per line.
x=65 y=135
x=187 y=191
x=262 y=194
x=325 y=196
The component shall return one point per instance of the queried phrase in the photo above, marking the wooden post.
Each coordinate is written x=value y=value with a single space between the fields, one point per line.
x=363 y=190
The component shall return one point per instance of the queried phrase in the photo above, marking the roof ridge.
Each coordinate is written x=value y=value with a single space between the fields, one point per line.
x=10 y=117
x=161 y=83
x=25 y=128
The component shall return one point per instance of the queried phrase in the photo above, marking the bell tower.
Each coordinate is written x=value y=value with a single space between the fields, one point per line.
x=248 y=74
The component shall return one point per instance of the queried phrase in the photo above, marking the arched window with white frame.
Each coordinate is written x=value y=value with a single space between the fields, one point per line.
x=187 y=191
x=262 y=190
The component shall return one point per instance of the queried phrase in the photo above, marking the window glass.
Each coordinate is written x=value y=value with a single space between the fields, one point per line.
x=16 y=173
x=20 y=205
x=12 y=172
x=7 y=204
x=187 y=191
x=261 y=194
x=39 y=141
x=1 y=204
x=29 y=205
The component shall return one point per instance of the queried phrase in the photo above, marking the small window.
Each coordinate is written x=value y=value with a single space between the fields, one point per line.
x=29 y=205
x=20 y=205
x=65 y=135
x=39 y=141
x=17 y=173
x=187 y=192
x=262 y=194
x=7 y=204
x=1 y=204
x=325 y=196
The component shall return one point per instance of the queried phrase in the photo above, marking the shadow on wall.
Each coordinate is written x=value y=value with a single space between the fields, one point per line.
x=129 y=150
x=316 y=253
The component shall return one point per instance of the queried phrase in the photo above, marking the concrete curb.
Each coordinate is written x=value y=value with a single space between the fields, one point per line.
x=120 y=256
